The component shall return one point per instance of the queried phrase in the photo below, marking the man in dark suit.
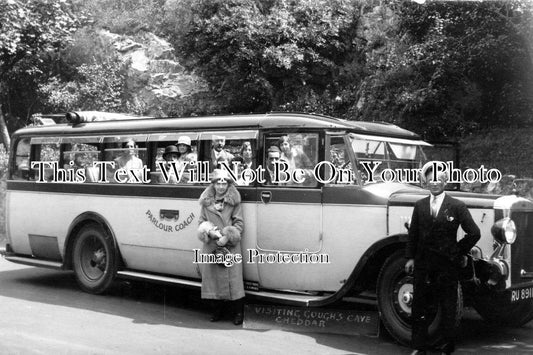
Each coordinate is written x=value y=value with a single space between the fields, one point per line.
x=273 y=156
x=435 y=256
x=218 y=153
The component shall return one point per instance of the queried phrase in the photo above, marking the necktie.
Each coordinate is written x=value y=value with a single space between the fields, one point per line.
x=433 y=207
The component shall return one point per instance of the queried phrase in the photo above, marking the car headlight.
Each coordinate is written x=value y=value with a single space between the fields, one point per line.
x=504 y=230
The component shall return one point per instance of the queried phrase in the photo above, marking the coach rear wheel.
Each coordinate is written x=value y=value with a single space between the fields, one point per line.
x=395 y=298
x=93 y=259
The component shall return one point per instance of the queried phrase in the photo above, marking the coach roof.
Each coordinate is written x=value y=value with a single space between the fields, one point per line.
x=251 y=121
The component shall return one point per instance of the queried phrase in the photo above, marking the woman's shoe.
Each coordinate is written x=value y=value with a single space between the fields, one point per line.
x=238 y=319
x=216 y=316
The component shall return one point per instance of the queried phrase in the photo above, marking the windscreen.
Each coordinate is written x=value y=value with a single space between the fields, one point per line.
x=387 y=159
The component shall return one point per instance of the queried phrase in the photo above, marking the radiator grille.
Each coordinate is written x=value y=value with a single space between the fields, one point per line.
x=522 y=248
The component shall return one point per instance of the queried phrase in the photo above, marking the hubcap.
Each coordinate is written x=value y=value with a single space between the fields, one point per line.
x=406 y=297
x=403 y=296
x=93 y=259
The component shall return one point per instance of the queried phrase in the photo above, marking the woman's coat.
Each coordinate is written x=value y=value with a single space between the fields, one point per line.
x=220 y=282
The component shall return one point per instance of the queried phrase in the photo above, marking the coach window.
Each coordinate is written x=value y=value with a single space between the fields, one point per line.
x=22 y=160
x=81 y=153
x=128 y=152
x=234 y=149
x=371 y=153
x=46 y=150
x=182 y=148
x=298 y=156
x=338 y=170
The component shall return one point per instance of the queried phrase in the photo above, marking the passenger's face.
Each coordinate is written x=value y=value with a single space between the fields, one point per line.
x=285 y=147
x=78 y=161
x=221 y=187
x=247 y=152
x=271 y=158
x=131 y=148
x=218 y=144
x=171 y=157
x=182 y=148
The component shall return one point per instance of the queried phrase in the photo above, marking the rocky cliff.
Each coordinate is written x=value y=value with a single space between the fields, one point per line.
x=155 y=79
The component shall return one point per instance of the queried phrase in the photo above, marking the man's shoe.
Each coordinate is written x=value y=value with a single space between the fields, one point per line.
x=239 y=318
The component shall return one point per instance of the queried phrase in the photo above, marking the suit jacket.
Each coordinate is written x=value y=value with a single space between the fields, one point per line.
x=428 y=235
x=268 y=179
x=224 y=154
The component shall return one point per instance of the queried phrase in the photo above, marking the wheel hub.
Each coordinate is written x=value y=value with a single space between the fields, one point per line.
x=93 y=259
x=98 y=259
x=403 y=296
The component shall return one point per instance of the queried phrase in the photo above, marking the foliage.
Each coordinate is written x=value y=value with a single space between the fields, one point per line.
x=259 y=57
x=125 y=16
x=97 y=86
x=31 y=27
x=506 y=149
x=31 y=30
x=452 y=68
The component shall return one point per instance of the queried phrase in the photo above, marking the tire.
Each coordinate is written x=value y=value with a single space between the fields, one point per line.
x=395 y=295
x=497 y=309
x=94 y=259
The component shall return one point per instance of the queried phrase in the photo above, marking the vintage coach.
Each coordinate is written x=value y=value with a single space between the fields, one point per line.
x=330 y=236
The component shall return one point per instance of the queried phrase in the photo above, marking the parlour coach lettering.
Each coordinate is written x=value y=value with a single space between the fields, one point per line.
x=158 y=223
x=165 y=226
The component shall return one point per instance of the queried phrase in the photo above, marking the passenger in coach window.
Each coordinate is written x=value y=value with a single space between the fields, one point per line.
x=185 y=153
x=296 y=158
x=220 y=229
x=128 y=159
x=218 y=153
x=170 y=155
x=77 y=163
x=244 y=161
x=273 y=155
x=435 y=257
x=247 y=155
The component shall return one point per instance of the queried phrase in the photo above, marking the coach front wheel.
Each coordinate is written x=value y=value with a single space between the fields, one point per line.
x=94 y=259
x=395 y=297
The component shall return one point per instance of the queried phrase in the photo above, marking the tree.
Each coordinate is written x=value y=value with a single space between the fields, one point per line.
x=259 y=56
x=29 y=29
x=451 y=68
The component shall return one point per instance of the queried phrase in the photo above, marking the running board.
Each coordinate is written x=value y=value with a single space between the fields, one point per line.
x=287 y=298
x=135 y=275
x=57 y=265
x=279 y=297
x=364 y=297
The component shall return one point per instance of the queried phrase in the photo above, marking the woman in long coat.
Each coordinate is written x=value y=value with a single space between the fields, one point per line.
x=221 y=225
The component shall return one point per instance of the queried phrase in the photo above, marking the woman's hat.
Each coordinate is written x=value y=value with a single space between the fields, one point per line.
x=170 y=149
x=184 y=140
x=220 y=174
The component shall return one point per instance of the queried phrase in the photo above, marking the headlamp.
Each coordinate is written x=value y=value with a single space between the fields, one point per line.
x=504 y=231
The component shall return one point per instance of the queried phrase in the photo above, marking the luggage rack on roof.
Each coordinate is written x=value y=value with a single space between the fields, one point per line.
x=77 y=117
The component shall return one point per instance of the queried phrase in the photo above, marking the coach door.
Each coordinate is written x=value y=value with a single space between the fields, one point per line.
x=289 y=213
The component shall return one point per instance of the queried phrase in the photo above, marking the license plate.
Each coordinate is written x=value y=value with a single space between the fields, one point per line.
x=521 y=294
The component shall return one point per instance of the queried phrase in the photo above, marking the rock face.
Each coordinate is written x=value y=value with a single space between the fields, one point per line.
x=156 y=81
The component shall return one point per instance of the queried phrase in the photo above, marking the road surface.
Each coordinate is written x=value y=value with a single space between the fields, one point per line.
x=43 y=312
